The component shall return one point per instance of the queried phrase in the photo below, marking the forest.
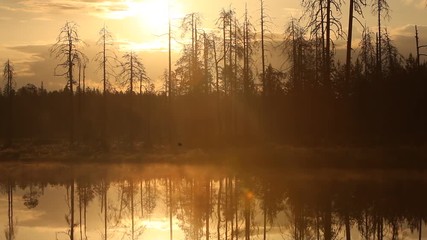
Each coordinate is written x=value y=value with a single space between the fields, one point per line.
x=222 y=90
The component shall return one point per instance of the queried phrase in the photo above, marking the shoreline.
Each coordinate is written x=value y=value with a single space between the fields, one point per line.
x=268 y=155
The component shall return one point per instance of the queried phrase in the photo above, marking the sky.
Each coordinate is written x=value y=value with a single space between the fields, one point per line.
x=30 y=27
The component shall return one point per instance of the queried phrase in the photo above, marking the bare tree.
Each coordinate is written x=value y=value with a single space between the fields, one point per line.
x=263 y=17
x=224 y=22
x=355 y=5
x=132 y=71
x=382 y=9
x=10 y=232
x=8 y=75
x=248 y=46
x=367 y=52
x=322 y=18
x=190 y=23
x=107 y=59
x=67 y=51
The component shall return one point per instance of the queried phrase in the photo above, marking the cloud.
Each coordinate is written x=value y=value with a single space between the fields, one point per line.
x=408 y=30
x=44 y=19
x=97 y=8
x=420 y=4
x=292 y=12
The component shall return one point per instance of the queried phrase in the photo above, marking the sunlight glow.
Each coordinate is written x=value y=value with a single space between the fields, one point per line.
x=151 y=15
x=160 y=45
x=157 y=224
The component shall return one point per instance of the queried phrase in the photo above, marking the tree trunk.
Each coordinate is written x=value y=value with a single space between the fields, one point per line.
x=347 y=227
x=105 y=211
x=132 y=210
x=265 y=219
x=379 y=57
x=218 y=210
x=72 y=211
x=349 y=38
x=70 y=75
x=328 y=45
x=208 y=207
x=263 y=50
x=170 y=210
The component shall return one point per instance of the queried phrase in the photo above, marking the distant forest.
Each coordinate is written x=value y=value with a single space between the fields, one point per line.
x=222 y=90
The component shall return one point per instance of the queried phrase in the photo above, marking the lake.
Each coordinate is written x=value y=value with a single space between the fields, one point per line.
x=163 y=201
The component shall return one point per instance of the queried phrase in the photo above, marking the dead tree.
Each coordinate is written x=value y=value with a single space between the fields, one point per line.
x=8 y=75
x=67 y=51
x=355 y=6
x=107 y=60
x=382 y=9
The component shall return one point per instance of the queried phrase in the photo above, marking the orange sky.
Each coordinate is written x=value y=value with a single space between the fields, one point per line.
x=29 y=27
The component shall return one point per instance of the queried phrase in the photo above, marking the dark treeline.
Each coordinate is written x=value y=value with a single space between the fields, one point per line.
x=217 y=95
x=377 y=111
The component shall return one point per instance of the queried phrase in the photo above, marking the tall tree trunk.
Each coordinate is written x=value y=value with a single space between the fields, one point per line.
x=224 y=74
x=9 y=90
x=328 y=45
x=11 y=228
x=141 y=199
x=70 y=76
x=247 y=217
x=85 y=202
x=379 y=57
x=217 y=88
x=349 y=38
x=245 y=47
x=226 y=208
x=132 y=210
x=206 y=84
x=347 y=227
x=265 y=219
x=170 y=210
x=263 y=50
x=169 y=127
x=236 y=208
x=104 y=92
x=208 y=207
x=105 y=211
x=72 y=211
x=131 y=115
x=218 y=210
x=80 y=213
x=327 y=221
x=417 y=46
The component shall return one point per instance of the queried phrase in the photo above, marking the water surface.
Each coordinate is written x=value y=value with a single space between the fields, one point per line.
x=135 y=201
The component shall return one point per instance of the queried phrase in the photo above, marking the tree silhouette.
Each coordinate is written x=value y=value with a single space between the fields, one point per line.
x=107 y=59
x=381 y=8
x=248 y=48
x=67 y=51
x=190 y=23
x=322 y=18
x=9 y=91
x=225 y=22
x=10 y=232
x=263 y=18
x=354 y=6
x=132 y=71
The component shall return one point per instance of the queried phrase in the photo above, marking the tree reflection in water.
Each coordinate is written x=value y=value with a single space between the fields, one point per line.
x=119 y=202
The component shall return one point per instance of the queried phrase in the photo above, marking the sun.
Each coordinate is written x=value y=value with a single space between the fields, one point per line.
x=153 y=15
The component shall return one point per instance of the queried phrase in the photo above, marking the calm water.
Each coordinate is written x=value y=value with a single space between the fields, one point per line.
x=129 y=201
